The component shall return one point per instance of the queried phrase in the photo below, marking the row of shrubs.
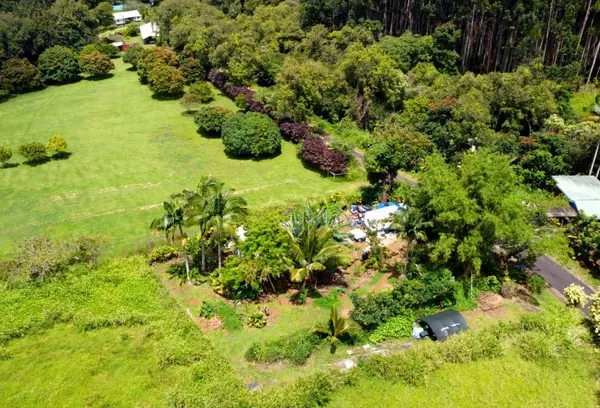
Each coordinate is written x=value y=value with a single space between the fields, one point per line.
x=36 y=152
x=56 y=65
x=315 y=150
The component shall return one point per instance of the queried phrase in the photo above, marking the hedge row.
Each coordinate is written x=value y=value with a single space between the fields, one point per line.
x=314 y=149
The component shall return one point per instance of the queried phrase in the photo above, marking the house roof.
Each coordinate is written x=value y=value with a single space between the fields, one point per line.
x=380 y=218
x=583 y=192
x=443 y=324
x=127 y=14
x=148 y=30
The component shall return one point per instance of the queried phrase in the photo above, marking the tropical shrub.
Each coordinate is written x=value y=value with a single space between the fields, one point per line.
x=95 y=64
x=87 y=248
x=5 y=155
x=434 y=289
x=595 y=312
x=295 y=132
x=34 y=152
x=227 y=313
x=109 y=50
x=239 y=278
x=338 y=328
x=133 y=55
x=316 y=153
x=251 y=135
x=132 y=29
x=296 y=348
x=59 y=65
x=397 y=327
x=165 y=80
x=536 y=283
x=190 y=101
x=163 y=253
x=241 y=101
x=584 y=235
x=210 y=119
x=39 y=257
x=19 y=75
x=203 y=91
x=257 y=320
x=575 y=295
x=57 y=145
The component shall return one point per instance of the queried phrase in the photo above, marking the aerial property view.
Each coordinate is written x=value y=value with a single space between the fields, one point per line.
x=299 y=204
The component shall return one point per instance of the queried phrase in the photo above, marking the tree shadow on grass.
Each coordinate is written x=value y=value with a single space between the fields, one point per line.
x=131 y=69
x=252 y=158
x=209 y=135
x=62 y=156
x=166 y=97
x=37 y=162
x=100 y=77
x=189 y=113
x=9 y=166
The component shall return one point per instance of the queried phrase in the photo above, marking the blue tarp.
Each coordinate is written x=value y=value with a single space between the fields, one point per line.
x=118 y=7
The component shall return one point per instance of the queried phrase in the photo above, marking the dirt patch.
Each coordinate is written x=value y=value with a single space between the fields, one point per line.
x=207 y=325
x=489 y=301
x=382 y=284
x=193 y=302
x=346 y=305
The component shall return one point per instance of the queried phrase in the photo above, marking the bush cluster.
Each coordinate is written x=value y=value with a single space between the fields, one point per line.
x=36 y=152
x=220 y=81
x=251 y=135
x=316 y=153
x=210 y=119
x=397 y=327
x=294 y=131
x=203 y=91
x=5 y=155
x=19 y=76
x=59 y=65
x=133 y=55
x=434 y=289
x=163 y=253
x=295 y=348
x=95 y=64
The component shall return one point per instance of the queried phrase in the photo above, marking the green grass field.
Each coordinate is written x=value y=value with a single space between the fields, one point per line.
x=501 y=383
x=129 y=153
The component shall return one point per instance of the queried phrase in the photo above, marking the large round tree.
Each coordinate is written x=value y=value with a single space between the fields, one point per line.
x=95 y=64
x=251 y=135
x=19 y=75
x=59 y=65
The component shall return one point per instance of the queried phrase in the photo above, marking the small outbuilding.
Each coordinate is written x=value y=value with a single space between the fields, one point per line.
x=149 y=32
x=441 y=325
x=380 y=218
x=126 y=17
x=583 y=193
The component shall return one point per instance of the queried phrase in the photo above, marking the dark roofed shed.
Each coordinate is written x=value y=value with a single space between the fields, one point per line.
x=443 y=324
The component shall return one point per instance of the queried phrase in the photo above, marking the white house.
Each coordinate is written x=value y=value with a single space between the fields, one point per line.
x=125 y=17
x=149 y=32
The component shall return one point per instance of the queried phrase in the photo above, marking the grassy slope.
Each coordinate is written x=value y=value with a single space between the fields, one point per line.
x=69 y=368
x=60 y=365
x=583 y=100
x=129 y=153
x=507 y=382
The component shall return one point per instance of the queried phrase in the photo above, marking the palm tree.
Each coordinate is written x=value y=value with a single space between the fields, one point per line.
x=312 y=250
x=173 y=218
x=198 y=211
x=225 y=212
x=410 y=225
x=338 y=326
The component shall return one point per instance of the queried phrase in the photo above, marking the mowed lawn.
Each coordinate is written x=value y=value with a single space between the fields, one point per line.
x=129 y=153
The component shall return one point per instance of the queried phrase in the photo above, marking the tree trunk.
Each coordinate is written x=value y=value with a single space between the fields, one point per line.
x=547 y=36
x=187 y=261
x=203 y=245
x=384 y=190
x=593 y=63
x=587 y=14
x=219 y=253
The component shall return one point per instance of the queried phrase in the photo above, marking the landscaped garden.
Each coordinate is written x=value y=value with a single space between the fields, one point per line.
x=128 y=152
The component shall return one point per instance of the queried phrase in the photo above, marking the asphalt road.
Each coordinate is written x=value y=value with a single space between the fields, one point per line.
x=558 y=277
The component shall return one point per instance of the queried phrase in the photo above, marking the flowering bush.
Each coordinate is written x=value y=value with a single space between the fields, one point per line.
x=295 y=132
x=316 y=152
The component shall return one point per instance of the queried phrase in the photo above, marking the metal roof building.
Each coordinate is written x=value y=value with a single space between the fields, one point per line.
x=149 y=31
x=443 y=324
x=583 y=193
x=125 y=17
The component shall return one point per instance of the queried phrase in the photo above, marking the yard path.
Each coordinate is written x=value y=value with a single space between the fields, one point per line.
x=559 y=278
